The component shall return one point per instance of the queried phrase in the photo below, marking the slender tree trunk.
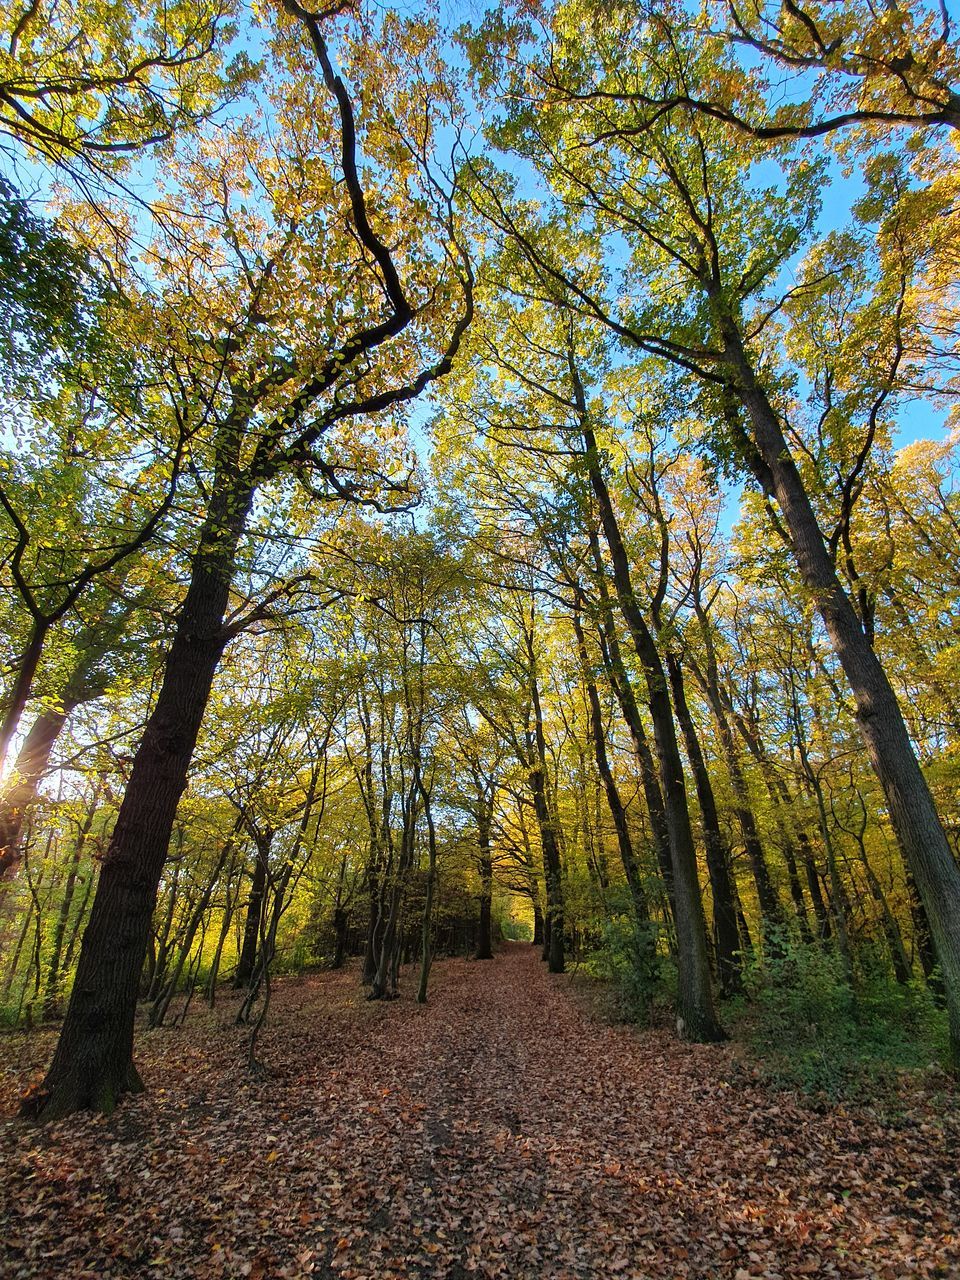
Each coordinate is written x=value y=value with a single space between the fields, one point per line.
x=913 y=814
x=484 y=932
x=746 y=942
x=384 y=985
x=278 y=885
x=23 y=684
x=225 y=923
x=85 y=683
x=771 y=911
x=820 y=910
x=718 y=856
x=837 y=895
x=537 y=924
x=615 y=804
x=696 y=1016
x=545 y=948
x=789 y=855
x=32 y=762
x=162 y=1003
x=14 y=962
x=255 y=905
x=426 y=955
x=78 y=921
x=553 y=925
x=152 y=976
x=193 y=973
x=266 y=951
x=623 y=691
x=40 y=911
x=93 y=1062
x=924 y=941
x=888 y=922
x=340 y=920
x=51 y=998
x=369 y=968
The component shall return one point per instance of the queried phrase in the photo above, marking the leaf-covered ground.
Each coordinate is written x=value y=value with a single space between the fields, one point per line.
x=500 y=1131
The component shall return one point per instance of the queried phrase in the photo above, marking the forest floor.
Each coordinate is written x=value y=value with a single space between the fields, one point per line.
x=501 y=1131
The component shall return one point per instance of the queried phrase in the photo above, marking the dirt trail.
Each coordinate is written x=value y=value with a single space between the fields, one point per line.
x=499 y=1132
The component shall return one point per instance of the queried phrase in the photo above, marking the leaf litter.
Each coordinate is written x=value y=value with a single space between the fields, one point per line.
x=500 y=1131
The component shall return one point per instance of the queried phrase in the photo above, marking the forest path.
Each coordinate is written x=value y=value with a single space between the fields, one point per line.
x=500 y=1131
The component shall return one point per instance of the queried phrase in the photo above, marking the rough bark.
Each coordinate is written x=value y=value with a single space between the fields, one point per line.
x=93 y=1062
x=913 y=814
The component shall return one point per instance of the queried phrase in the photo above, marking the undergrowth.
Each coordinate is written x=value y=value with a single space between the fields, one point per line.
x=803 y=1025
x=809 y=1028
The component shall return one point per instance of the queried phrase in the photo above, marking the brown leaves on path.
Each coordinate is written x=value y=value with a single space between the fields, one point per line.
x=497 y=1132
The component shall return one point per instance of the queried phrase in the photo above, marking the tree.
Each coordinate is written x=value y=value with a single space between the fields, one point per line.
x=696 y=282
x=83 y=85
x=268 y=423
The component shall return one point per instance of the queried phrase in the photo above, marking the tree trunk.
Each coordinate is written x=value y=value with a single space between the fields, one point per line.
x=78 y=921
x=255 y=904
x=384 y=985
x=93 y=1062
x=51 y=997
x=225 y=923
x=820 y=910
x=162 y=1003
x=718 y=857
x=426 y=952
x=553 y=930
x=623 y=691
x=340 y=922
x=32 y=762
x=614 y=803
x=23 y=684
x=160 y=945
x=545 y=948
x=696 y=1016
x=771 y=912
x=537 y=924
x=924 y=941
x=913 y=814
x=484 y=932
x=368 y=970
x=266 y=951
x=780 y=798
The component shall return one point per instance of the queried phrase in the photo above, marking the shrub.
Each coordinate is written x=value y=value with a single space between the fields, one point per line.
x=627 y=959
x=811 y=1029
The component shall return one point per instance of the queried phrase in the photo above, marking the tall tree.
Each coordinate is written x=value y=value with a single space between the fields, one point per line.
x=271 y=418
x=705 y=252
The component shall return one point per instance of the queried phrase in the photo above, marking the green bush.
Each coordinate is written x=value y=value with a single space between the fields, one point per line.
x=627 y=959
x=811 y=1029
